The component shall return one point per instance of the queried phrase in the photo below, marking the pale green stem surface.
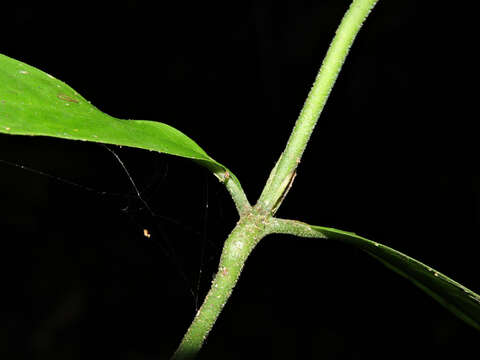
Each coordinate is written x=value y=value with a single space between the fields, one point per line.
x=238 y=246
x=257 y=222
x=238 y=196
x=233 y=187
x=281 y=176
x=292 y=227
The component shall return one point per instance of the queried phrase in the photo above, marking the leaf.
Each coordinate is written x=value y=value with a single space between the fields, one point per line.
x=33 y=102
x=455 y=297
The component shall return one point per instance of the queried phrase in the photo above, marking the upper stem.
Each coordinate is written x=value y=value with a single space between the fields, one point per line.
x=257 y=222
x=282 y=175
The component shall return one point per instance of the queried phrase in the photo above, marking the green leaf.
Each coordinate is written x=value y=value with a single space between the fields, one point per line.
x=33 y=102
x=455 y=297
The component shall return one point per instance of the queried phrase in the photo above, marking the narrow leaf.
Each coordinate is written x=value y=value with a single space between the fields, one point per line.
x=455 y=297
x=33 y=102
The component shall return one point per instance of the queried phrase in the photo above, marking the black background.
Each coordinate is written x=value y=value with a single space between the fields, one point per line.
x=394 y=158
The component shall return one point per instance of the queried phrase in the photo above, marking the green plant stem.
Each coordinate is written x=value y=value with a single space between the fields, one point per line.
x=236 y=192
x=292 y=227
x=231 y=184
x=282 y=175
x=254 y=222
x=238 y=246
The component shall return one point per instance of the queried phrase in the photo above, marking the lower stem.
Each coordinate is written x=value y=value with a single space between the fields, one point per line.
x=237 y=248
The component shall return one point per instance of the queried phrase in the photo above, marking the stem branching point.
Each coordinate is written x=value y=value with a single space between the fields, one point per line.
x=257 y=222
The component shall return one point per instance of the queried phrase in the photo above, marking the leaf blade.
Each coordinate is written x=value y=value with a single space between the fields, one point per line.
x=33 y=102
x=457 y=298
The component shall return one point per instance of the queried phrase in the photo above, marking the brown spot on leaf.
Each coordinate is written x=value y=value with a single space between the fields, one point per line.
x=67 y=98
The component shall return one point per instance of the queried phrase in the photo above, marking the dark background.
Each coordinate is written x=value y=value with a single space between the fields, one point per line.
x=394 y=158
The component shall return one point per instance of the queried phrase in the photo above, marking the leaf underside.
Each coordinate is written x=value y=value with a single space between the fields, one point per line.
x=455 y=297
x=33 y=102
